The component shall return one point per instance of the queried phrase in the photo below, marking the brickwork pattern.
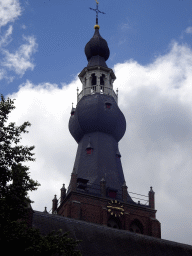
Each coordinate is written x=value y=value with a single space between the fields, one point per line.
x=94 y=209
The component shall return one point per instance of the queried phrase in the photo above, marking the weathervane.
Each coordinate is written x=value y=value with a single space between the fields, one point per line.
x=97 y=11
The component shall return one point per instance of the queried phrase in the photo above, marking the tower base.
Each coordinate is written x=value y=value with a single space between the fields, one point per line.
x=110 y=212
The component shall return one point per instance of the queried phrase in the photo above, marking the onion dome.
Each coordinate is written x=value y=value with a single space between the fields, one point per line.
x=97 y=50
x=92 y=115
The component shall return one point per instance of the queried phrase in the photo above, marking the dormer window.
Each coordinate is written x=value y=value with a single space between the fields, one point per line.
x=82 y=183
x=72 y=110
x=89 y=151
x=111 y=192
x=118 y=155
x=108 y=105
x=89 y=148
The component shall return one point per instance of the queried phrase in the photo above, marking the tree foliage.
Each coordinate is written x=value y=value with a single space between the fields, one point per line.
x=28 y=241
x=15 y=183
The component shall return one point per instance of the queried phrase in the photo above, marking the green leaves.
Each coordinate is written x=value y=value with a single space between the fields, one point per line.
x=15 y=183
x=28 y=241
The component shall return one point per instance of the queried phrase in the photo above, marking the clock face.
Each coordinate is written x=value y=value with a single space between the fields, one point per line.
x=115 y=208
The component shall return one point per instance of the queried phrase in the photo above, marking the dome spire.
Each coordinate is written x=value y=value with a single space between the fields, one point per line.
x=97 y=12
x=97 y=50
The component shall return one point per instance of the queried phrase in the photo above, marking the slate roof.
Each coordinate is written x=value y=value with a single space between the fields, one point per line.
x=91 y=115
x=97 y=50
x=103 y=128
x=104 y=241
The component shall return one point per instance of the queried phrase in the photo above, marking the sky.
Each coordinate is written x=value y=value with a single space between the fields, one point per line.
x=41 y=54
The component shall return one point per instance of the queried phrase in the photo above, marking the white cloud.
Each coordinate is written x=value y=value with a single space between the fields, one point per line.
x=2 y=73
x=9 y=11
x=49 y=133
x=188 y=30
x=23 y=26
x=5 y=39
x=121 y=42
x=20 y=60
x=112 y=56
x=125 y=26
x=156 y=149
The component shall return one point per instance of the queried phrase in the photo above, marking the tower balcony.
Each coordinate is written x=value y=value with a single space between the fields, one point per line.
x=97 y=89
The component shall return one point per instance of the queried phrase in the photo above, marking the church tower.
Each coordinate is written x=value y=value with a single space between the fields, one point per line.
x=97 y=191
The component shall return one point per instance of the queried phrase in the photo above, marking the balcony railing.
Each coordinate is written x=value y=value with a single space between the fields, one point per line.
x=97 y=89
x=94 y=189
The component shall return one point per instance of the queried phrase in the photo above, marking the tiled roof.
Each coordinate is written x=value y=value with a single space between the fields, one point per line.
x=99 y=240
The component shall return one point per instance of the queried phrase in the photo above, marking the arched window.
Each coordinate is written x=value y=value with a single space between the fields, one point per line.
x=136 y=227
x=114 y=223
x=102 y=80
x=110 y=81
x=93 y=82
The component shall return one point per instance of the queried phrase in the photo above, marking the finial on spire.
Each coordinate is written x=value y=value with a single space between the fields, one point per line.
x=97 y=12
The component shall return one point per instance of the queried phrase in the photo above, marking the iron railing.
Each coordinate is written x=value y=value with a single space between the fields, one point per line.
x=94 y=189
x=141 y=199
x=97 y=89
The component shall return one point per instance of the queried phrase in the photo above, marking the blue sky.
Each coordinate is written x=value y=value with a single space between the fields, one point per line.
x=41 y=53
x=137 y=29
